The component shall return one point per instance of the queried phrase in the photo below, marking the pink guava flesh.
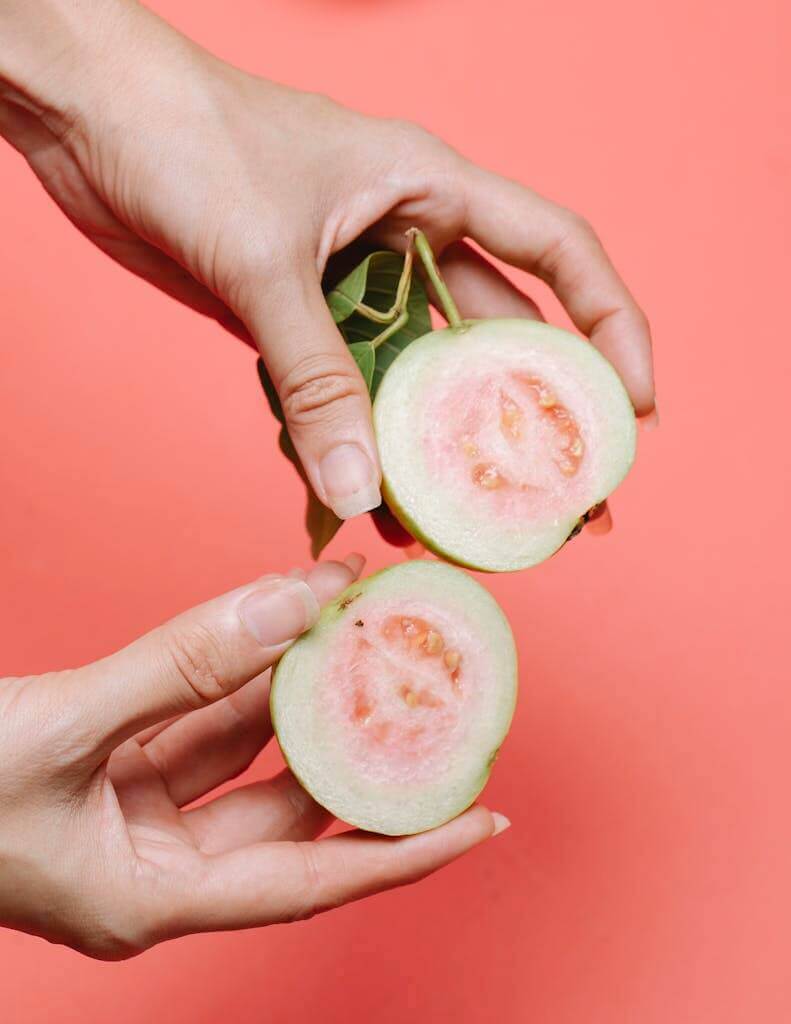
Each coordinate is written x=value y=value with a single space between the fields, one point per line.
x=401 y=683
x=391 y=710
x=508 y=441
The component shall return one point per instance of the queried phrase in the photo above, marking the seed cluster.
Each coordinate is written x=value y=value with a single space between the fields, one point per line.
x=419 y=638
x=570 y=449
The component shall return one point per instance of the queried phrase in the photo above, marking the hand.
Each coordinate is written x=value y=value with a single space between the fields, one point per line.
x=231 y=194
x=97 y=848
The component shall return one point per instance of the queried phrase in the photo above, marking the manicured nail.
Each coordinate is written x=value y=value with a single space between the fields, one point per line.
x=650 y=421
x=501 y=823
x=355 y=562
x=350 y=481
x=279 y=611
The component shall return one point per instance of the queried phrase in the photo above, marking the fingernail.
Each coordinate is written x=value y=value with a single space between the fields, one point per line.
x=355 y=562
x=650 y=421
x=501 y=823
x=279 y=611
x=350 y=481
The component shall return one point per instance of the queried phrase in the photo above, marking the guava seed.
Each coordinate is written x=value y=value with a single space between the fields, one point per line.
x=468 y=447
x=486 y=475
x=433 y=642
x=546 y=399
x=409 y=696
x=452 y=660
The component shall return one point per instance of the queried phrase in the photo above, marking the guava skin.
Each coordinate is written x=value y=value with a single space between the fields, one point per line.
x=573 y=366
x=387 y=806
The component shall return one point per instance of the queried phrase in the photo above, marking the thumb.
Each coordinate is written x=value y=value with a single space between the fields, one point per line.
x=193 y=660
x=324 y=397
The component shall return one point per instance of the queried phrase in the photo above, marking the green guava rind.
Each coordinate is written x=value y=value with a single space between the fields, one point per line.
x=430 y=544
x=408 y=817
x=529 y=331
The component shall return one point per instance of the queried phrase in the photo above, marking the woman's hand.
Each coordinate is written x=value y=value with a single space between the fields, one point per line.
x=98 y=850
x=231 y=194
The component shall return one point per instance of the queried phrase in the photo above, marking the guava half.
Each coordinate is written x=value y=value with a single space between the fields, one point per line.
x=391 y=709
x=497 y=437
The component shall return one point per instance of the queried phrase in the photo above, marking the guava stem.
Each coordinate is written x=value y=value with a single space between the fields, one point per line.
x=402 y=293
x=389 y=331
x=449 y=307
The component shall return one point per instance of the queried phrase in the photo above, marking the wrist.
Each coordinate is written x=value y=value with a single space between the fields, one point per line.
x=63 y=58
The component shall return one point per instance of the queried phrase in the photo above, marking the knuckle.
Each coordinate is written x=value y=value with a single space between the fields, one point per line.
x=308 y=902
x=317 y=104
x=414 y=142
x=578 y=229
x=409 y=132
x=563 y=254
x=642 y=323
x=110 y=935
x=252 y=255
x=316 y=387
x=263 y=258
x=195 y=657
x=106 y=948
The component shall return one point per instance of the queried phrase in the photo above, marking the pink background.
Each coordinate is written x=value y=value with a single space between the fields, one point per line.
x=646 y=876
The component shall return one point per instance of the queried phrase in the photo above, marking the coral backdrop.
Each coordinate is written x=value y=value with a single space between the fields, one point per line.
x=646 y=876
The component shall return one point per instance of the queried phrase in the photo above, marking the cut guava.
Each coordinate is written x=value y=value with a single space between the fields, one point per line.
x=497 y=437
x=391 y=709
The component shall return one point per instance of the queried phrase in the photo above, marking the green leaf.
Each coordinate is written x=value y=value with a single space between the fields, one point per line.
x=322 y=523
x=365 y=357
x=375 y=283
x=348 y=293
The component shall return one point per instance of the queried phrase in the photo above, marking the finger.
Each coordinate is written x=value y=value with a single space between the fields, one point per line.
x=324 y=398
x=148 y=734
x=481 y=291
x=277 y=809
x=142 y=795
x=193 y=661
x=329 y=578
x=356 y=562
x=390 y=529
x=600 y=520
x=271 y=882
x=650 y=421
x=216 y=743
x=528 y=231
x=414 y=551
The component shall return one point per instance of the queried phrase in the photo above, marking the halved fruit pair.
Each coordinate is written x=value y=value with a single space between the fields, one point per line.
x=497 y=439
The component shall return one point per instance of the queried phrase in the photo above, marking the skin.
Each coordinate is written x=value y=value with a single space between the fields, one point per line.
x=101 y=763
x=182 y=169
